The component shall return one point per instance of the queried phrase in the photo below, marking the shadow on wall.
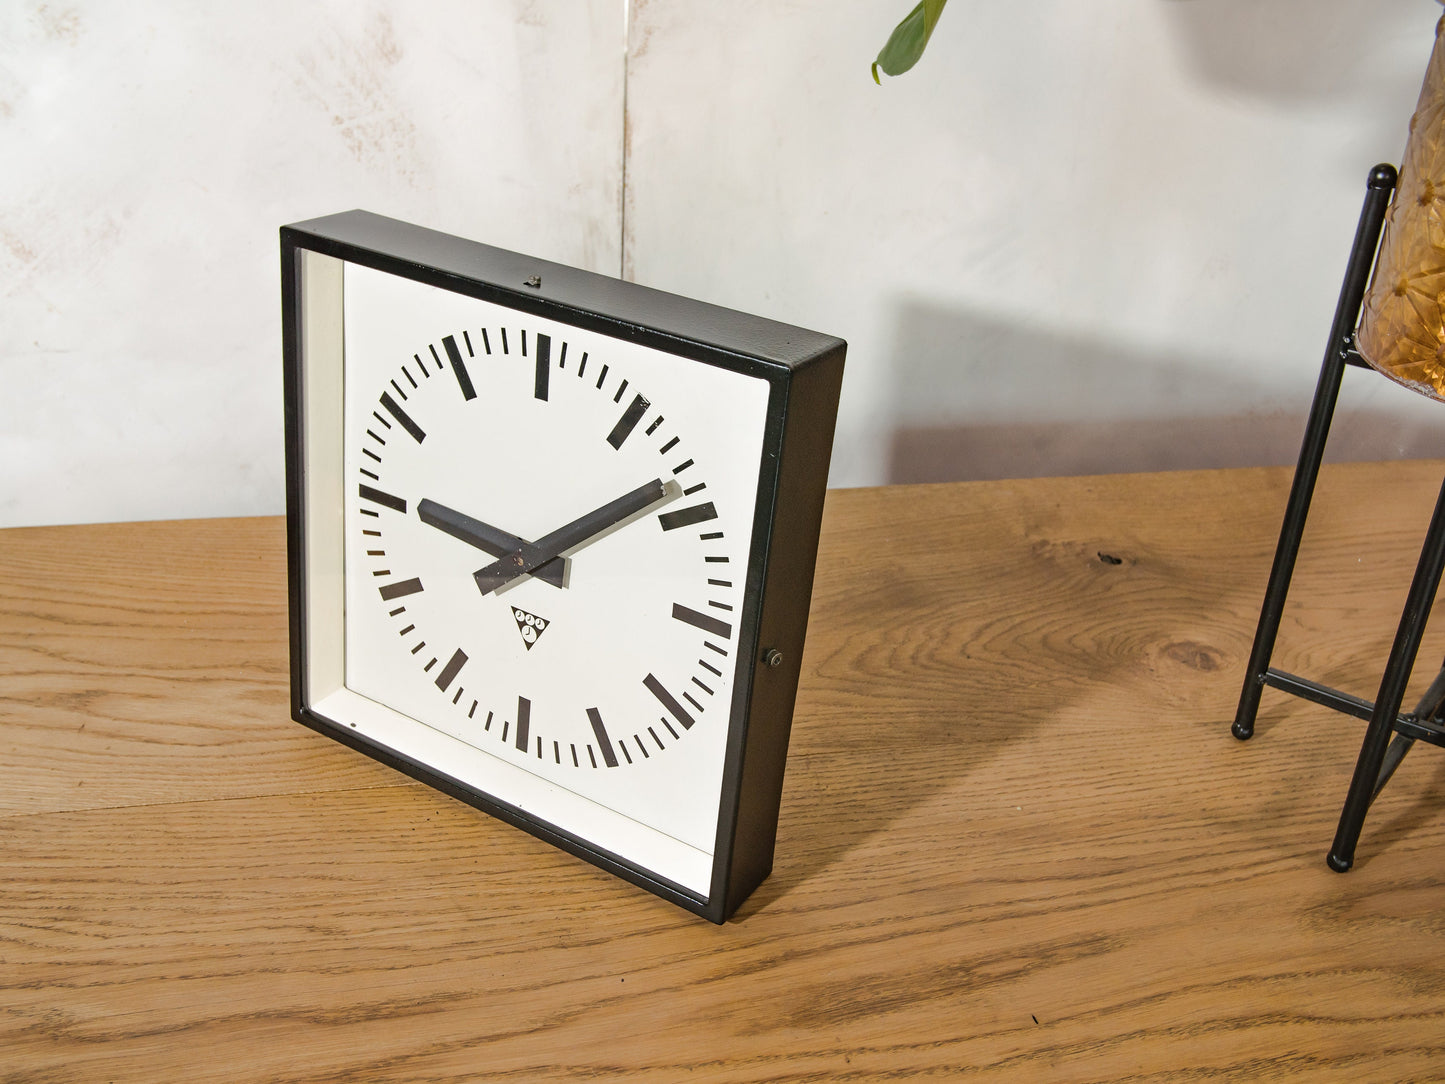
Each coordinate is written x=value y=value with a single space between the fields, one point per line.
x=1294 y=50
x=977 y=398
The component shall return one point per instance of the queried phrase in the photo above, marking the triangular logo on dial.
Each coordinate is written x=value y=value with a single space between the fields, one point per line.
x=530 y=626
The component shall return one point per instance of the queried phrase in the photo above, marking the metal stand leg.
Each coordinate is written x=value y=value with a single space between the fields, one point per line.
x=1362 y=256
x=1427 y=709
x=1392 y=691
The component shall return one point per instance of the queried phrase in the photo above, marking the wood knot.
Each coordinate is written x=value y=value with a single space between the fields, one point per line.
x=1194 y=655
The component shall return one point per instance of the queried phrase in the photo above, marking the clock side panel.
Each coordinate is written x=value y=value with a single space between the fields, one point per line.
x=803 y=429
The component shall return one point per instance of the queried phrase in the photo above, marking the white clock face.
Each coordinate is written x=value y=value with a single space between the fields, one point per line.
x=547 y=538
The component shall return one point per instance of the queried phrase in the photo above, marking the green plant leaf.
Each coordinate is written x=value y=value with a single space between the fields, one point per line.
x=906 y=44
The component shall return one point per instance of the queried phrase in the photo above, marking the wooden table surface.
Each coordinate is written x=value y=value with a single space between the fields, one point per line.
x=1017 y=840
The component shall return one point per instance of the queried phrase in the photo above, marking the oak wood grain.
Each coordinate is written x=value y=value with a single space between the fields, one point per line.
x=1017 y=840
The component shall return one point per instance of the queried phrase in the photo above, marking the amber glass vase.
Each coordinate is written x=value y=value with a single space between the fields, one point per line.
x=1402 y=327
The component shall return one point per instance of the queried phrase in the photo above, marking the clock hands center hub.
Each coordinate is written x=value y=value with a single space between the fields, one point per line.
x=490 y=540
x=527 y=557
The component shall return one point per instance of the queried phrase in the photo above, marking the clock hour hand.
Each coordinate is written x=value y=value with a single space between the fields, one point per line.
x=486 y=538
x=533 y=555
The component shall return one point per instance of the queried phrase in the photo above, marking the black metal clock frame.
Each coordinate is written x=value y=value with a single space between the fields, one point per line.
x=804 y=372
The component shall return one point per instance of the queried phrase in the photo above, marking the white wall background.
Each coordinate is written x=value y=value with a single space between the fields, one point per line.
x=1083 y=235
x=151 y=150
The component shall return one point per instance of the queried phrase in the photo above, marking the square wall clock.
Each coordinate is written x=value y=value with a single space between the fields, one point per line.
x=551 y=542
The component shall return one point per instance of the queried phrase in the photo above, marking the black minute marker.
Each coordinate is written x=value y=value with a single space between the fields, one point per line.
x=543 y=364
x=459 y=367
x=628 y=422
x=394 y=409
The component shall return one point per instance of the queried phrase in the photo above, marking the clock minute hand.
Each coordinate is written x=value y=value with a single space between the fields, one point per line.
x=485 y=537
x=533 y=555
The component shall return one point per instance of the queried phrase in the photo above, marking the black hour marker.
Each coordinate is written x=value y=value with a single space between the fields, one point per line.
x=402 y=416
x=459 y=367
x=676 y=710
x=383 y=498
x=686 y=517
x=603 y=741
x=705 y=622
x=524 y=721
x=544 y=364
x=628 y=422
x=400 y=588
x=449 y=671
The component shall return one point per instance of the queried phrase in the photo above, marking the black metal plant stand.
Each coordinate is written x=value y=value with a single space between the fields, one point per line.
x=1379 y=755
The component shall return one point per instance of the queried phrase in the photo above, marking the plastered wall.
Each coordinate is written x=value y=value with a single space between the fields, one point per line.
x=1079 y=237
